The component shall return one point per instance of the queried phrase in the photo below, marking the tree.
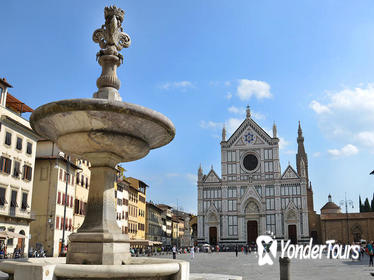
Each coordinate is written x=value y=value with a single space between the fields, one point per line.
x=372 y=204
x=367 y=207
x=360 y=203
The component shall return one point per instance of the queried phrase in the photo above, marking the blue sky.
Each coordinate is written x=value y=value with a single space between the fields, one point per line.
x=200 y=63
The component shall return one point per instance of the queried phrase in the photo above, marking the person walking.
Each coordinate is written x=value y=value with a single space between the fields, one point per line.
x=370 y=251
x=174 y=252
x=192 y=250
x=236 y=250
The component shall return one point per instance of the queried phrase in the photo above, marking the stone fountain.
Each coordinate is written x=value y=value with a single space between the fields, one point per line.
x=105 y=131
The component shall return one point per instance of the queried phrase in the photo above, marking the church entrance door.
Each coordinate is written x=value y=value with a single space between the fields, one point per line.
x=213 y=236
x=292 y=234
x=252 y=232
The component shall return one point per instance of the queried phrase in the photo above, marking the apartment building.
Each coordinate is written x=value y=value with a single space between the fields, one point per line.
x=18 y=145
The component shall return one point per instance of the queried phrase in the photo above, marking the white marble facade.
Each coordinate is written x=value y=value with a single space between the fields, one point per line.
x=253 y=196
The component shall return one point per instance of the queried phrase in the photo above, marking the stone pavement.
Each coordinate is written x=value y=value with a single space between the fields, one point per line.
x=247 y=267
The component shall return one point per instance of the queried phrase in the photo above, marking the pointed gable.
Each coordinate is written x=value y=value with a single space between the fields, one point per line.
x=290 y=173
x=249 y=132
x=212 y=177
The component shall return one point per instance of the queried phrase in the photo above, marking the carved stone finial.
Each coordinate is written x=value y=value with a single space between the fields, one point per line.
x=248 y=112
x=224 y=133
x=111 y=40
x=274 y=130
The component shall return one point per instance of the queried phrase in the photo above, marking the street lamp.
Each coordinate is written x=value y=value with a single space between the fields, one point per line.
x=345 y=203
x=66 y=194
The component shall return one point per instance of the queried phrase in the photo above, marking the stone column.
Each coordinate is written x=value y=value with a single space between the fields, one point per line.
x=99 y=240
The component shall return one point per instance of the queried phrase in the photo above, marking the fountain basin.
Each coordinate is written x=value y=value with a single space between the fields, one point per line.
x=90 y=125
x=57 y=269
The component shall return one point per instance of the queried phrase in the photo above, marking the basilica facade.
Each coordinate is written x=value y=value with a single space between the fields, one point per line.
x=253 y=196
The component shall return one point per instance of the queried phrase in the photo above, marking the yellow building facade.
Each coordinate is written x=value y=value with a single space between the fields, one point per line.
x=139 y=205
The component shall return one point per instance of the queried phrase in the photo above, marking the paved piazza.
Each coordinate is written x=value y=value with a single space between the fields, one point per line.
x=247 y=267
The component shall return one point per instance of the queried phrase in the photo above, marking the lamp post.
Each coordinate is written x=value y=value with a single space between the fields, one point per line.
x=345 y=203
x=66 y=194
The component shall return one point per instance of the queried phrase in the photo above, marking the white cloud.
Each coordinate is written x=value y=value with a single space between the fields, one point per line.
x=282 y=143
x=236 y=110
x=318 y=108
x=182 y=85
x=347 y=114
x=366 y=138
x=347 y=150
x=229 y=95
x=219 y=83
x=210 y=124
x=317 y=154
x=248 y=88
x=232 y=124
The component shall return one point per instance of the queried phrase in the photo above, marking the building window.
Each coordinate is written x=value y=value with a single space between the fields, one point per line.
x=268 y=166
x=288 y=190
x=57 y=222
x=16 y=169
x=269 y=191
x=19 y=143
x=13 y=201
x=59 y=197
x=232 y=192
x=270 y=223
x=233 y=225
x=5 y=164
x=27 y=171
x=268 y=154
x=10 y=240
x=8 y=138
x=2 y=197
x=270 y=204
x=29 y=148
x=230 y=155
x=86 y=182
x=24 y=204
x=231 y=205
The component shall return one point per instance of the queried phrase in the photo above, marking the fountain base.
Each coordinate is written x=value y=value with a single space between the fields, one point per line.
x=98 y=248
x=57 y=269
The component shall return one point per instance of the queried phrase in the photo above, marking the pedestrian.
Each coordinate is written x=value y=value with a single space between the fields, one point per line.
x=370 y=251
x=192 y=250
x=236 y=250
x=174 y=252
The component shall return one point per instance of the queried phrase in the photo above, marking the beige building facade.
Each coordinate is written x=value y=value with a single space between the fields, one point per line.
x=17 y=162
x=53 y=172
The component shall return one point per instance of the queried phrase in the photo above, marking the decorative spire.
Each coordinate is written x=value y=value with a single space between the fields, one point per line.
x=224 y=133
x=200 y=173
x=248 y=112
x=211 y=167
x=329 y=198
x=274 y=130
x=111 y=39
x=301 y=156
x=300 y=131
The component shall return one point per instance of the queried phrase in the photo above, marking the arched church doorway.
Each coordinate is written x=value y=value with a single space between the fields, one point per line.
x=213 y=235
x=252 y=231
x=292 y=234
